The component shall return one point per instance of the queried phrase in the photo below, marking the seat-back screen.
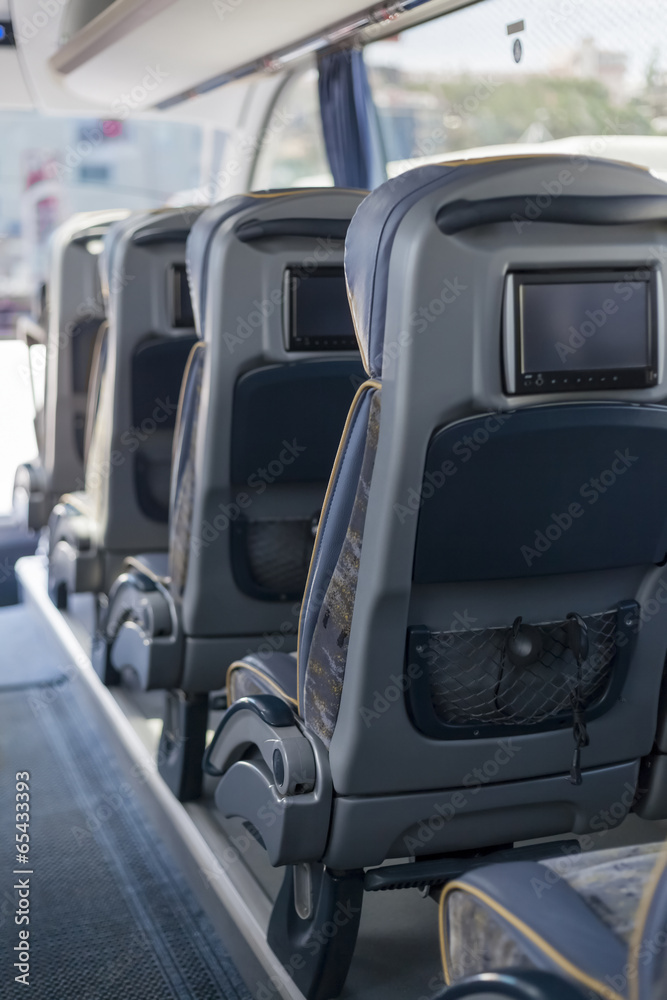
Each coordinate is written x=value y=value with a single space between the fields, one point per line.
x=577 y=331
x=317 y=313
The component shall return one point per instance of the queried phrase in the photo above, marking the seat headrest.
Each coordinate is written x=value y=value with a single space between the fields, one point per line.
x=374 y=227
x=78 y=230
x=82 y=226
x=159 y=225
x=197 y=250
x=293 y=218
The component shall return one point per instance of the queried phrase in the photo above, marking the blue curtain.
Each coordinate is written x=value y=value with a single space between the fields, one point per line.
x=345 y=102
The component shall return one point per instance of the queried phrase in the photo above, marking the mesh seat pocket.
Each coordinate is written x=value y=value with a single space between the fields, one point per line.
x=468 y=680
x=272 y=557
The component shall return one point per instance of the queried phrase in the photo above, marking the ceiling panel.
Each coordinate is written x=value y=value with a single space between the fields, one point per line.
x=140 y=53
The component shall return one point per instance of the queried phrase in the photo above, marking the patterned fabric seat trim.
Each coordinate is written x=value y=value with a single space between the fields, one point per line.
x=319 y=572
x=610 y=881
x=327 y=657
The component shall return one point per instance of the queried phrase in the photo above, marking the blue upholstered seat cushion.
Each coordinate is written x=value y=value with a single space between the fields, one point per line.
x=263 y=673
x=575 y=914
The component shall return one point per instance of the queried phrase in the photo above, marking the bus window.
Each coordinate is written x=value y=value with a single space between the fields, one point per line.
x=16 y=415
x=292 y=152
x=581 y=76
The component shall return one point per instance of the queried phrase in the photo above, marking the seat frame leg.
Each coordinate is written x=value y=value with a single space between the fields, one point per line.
x=101 y=659
x=183 y=742
x=314 y=925
x=59 y=596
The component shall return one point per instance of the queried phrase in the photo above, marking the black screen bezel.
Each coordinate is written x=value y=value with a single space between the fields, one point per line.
x=293 y=274
x=179 y=281
x=584 y=379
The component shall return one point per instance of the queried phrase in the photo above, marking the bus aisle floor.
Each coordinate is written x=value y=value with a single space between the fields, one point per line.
x=103 y=910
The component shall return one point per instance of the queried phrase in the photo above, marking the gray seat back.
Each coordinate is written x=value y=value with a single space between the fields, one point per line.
x=262 y=407
x=139 y=366
x=459 y=511
x=75 y=313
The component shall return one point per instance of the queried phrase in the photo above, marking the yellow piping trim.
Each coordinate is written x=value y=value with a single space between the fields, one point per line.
x=74 y=501
x=371 y=383
x=563 y=963
x=240 y=665
x=535 y=156
x=136 y=563
x=296 y=191
x=640 y=925
x=501 y=158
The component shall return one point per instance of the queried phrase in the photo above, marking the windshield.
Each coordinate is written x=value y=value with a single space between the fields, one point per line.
x=585 y=76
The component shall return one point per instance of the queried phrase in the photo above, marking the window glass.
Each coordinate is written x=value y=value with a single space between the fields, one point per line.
x=37 y=358
x=584 y=76
x=292 y=152
x=17 y=411
x=52 y=167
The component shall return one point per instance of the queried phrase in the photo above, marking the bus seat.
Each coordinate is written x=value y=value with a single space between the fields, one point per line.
x=596 y=919
x=74 y=314
x=262 y=407
x=137 y=368
x=479 y=652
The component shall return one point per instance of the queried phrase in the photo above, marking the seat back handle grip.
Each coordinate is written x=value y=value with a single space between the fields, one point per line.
x=256 y=229
x=575 y=210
